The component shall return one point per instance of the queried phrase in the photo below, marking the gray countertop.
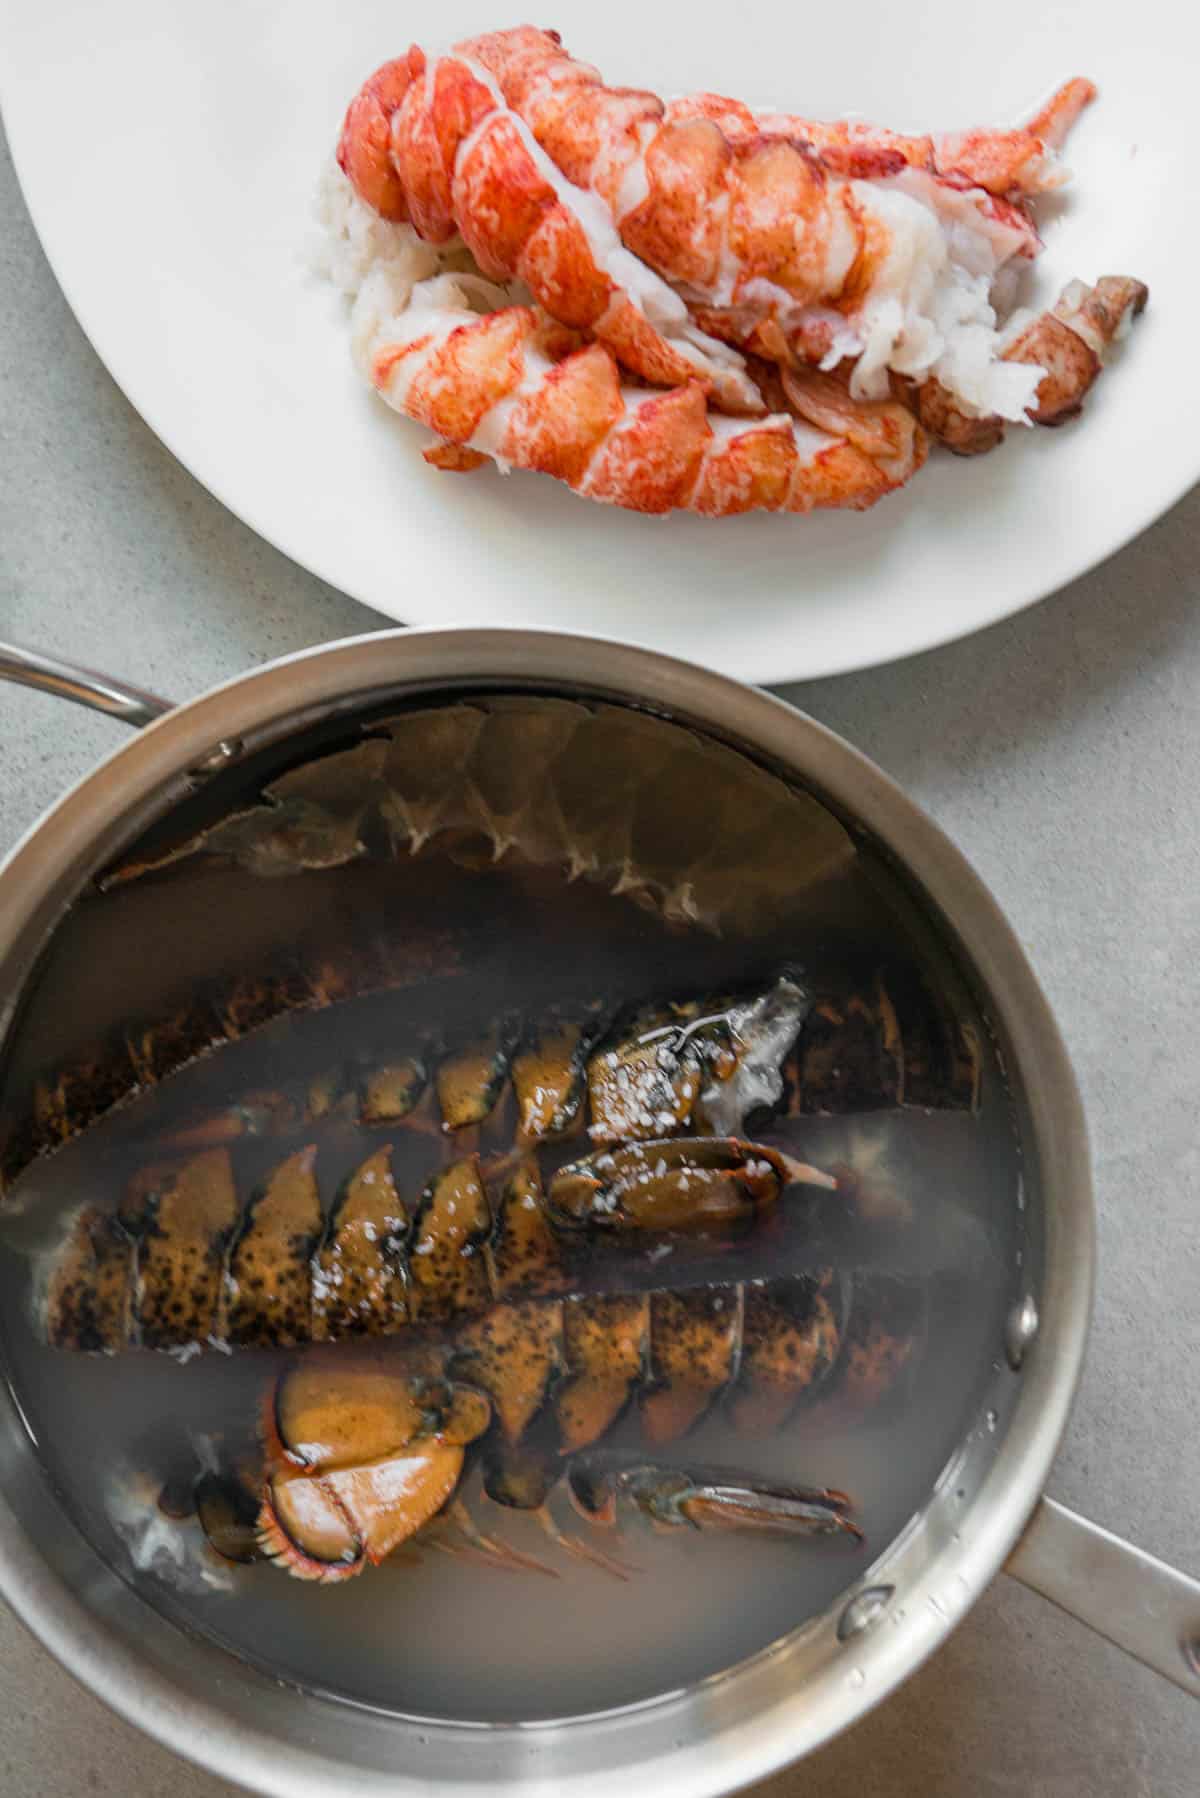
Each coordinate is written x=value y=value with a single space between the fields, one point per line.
x=1060 y=750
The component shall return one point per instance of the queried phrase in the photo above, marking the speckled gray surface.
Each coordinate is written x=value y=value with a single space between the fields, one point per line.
x=1060 y=751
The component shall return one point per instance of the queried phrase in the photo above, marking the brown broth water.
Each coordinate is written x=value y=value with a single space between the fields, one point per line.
x=444 y=1637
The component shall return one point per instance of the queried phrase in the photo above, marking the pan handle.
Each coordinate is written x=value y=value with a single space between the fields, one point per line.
x=26 y=668
x=1125 y=1595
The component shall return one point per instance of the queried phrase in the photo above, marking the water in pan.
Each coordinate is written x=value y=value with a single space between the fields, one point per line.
x=443 y=1636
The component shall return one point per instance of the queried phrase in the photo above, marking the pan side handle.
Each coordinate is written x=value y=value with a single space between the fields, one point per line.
x=26 y=668
x=1145 y=1607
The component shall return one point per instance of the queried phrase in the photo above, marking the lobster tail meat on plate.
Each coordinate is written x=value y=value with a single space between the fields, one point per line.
x=694 y=305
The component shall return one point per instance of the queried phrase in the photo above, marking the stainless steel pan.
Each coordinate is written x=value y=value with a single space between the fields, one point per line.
x=987 y=1514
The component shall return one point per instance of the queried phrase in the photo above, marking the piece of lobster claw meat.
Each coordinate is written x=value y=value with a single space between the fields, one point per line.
x=681 y=1183
x=706 y=1498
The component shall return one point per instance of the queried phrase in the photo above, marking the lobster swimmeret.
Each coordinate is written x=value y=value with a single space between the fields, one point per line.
x=809 y=300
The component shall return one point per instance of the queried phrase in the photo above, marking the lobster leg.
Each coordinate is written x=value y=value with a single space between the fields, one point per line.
x=584 y=1551
x=483 y=1548
x=706 y=1498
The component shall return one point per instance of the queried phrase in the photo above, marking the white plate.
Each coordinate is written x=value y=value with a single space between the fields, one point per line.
x=168 y=153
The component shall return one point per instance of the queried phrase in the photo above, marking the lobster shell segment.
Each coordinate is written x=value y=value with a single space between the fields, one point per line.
x=359 y=1280
x=85 y=1292
x=695 y=1338
x=186 y=1215
x=267 y=1282
x=790 y=1340
x=604 y=1342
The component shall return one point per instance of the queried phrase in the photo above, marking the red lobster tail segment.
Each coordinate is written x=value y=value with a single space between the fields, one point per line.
x=499 y=385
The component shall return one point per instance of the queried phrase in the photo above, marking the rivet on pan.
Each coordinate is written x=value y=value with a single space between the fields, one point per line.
x=862 y=1611
x=1020 y=1330
x=223 y=756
